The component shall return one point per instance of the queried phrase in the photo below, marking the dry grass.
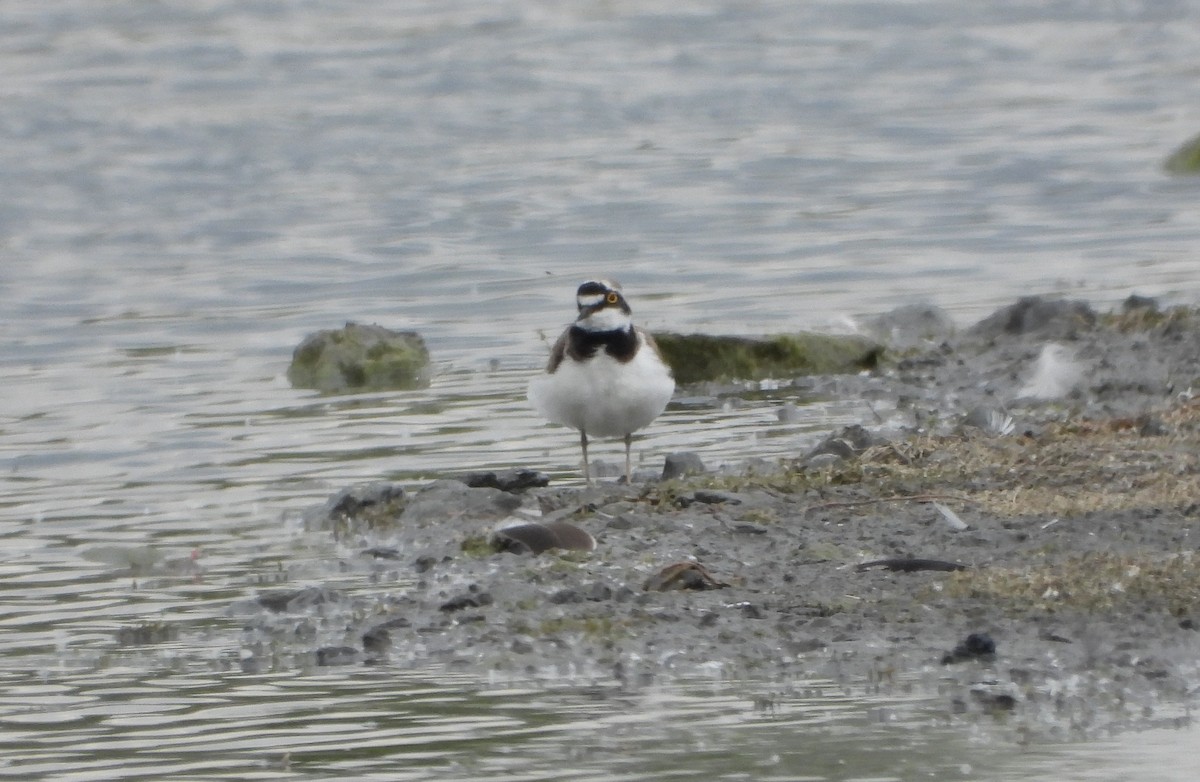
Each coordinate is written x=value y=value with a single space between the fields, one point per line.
x=1068 y=470
x=1092 y=582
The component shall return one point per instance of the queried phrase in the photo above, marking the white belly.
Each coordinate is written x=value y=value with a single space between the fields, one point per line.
x=602 y=396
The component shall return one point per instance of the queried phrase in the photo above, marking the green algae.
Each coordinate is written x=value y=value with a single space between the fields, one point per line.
x=360 y=358
x=703 y=357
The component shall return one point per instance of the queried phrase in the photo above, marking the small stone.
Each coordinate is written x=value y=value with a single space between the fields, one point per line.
x=381 y=552
x=353 y=500
x=1151 y=426
x=337 y=655
x=619 y=523
x=682 y=575
x=751 y=611
x=682 y=463
x=470 y=600
x=847 y=443
x=975 y=646
x=1134 y=302
x=535 y=538
x=297 y=600
x=515 y=480
x=565 y=596
x=598 y=592
x=378 y=638
x=376 y=641
x=424 y=563
x=711 y=497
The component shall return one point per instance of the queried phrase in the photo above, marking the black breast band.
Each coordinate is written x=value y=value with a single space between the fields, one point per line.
x=620 y=344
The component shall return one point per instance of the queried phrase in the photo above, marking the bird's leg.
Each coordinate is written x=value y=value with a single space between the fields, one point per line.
x=628 y=461
x=587 y=470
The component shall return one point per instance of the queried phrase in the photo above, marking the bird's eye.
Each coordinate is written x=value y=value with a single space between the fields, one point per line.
x=612 y=297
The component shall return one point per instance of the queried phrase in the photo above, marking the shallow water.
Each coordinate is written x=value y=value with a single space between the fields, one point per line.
x=190 y=188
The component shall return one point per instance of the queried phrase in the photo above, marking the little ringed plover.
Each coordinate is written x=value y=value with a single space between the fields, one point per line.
x=606 y=377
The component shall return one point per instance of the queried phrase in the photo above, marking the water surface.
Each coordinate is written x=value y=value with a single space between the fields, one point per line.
x=190 y=188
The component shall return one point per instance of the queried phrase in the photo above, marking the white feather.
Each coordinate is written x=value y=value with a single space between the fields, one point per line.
x=607 y=319
x=603 y=396
x=1055 y=374
x=952 y=518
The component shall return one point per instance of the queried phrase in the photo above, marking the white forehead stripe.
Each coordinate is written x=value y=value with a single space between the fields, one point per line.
x=591 y=300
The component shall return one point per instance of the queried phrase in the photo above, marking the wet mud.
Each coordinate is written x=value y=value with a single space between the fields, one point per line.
x=1016 y=532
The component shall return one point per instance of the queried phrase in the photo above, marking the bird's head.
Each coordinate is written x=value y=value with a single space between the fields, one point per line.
x=602 y=307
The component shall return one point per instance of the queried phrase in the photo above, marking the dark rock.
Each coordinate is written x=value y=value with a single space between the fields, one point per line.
x=378 y=638
x=564 y=596
x=909 y=565
x=682 y=575
x=360 y=358
x=426 y=562
x=381 y=552
x=376 y=641
x=1053 y=637
x=298 y=599
x=805 y=645
x=712 y=497
x=599 y=592
x=975 y=646
x=848 y=443
x=514 y=480
x=352 y=501
x=994 y=702
x=337 y=655
x=1037 y=317
x=624 y=594
x=620 y=523
x=535 y=538
x=1134 y=303
x=522 y=644
x=369 y=501
x=449 y=499
x=147 y=633
x=680 y=464
x=751 y=611
x=469 y=600
x=1151 y=426
x=910 y=326
x=524 y=539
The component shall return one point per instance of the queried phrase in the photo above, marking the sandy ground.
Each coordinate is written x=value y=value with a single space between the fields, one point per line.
x=1046 y=462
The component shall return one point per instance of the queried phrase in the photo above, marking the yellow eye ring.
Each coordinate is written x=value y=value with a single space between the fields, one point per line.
x=612 y=297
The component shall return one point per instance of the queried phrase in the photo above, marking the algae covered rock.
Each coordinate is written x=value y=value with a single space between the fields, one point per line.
x=1037 y=317
x=1186 y=159
x=700 y=357
x=360 y=358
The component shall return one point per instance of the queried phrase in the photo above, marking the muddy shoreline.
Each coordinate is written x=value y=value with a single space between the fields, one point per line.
x=1058 y=488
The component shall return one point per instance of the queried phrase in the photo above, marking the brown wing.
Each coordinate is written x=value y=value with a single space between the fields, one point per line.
x=649 y=342
x=558 y=352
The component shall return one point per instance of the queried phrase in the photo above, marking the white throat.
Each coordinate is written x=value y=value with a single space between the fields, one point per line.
x=607 y=319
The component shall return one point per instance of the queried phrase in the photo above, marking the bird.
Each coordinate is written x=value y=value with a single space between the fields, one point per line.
x=606 y=377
